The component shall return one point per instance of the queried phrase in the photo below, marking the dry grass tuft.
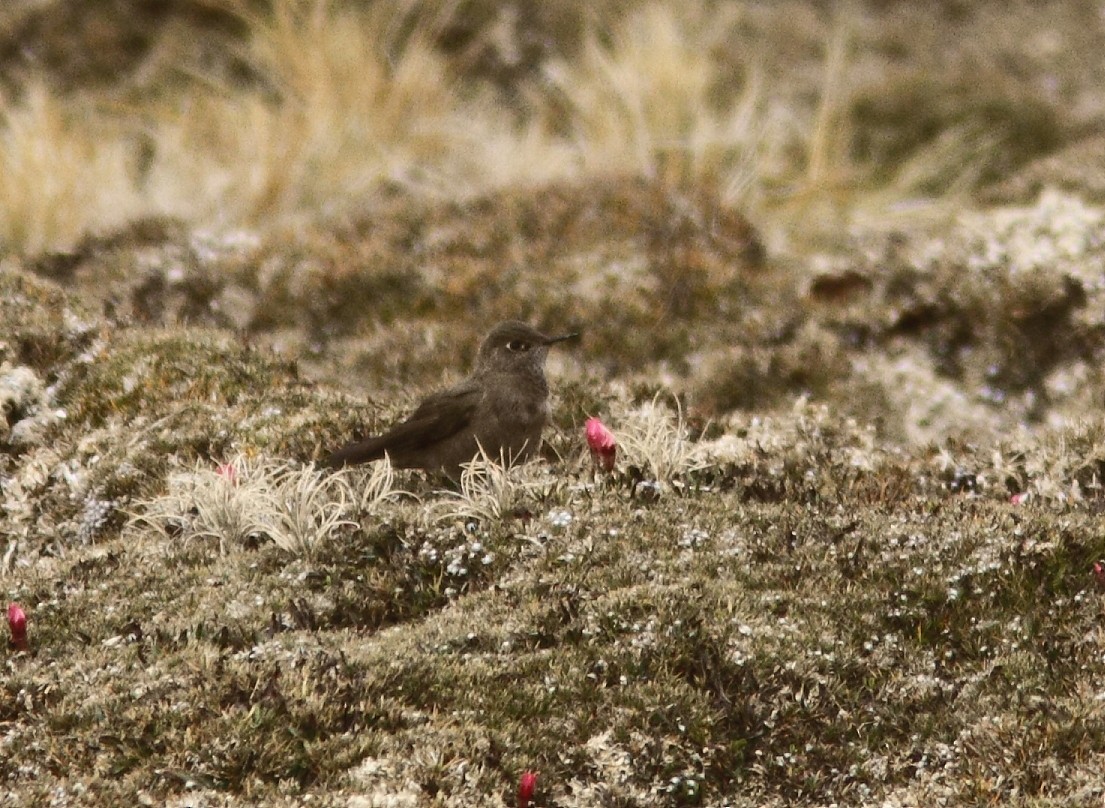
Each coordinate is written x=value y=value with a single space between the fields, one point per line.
x=370 y=487
x=654 y=438
x=232 y=504
x=352 y=101
x=645 y=101
x=310 y=508
x=245 y=502
x=58 y=179
x=321 y=106
x=357 y=102
x=492 y=490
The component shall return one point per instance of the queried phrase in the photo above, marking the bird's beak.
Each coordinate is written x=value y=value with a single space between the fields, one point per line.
x=562 y=338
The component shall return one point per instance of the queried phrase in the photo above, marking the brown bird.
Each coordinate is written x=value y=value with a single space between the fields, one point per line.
x=502 y=407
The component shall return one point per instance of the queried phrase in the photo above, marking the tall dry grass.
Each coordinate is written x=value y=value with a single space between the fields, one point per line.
x=59 y=177
x=360 y=103
x=652 y=100
x=354 y=100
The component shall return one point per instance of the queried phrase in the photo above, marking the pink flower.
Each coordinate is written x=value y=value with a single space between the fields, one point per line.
x=17 y=622
x=1099 y=574
x=228 y=472
x=526 y=786
x=604 y=448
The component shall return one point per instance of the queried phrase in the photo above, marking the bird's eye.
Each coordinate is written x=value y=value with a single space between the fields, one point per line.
x=517 y=345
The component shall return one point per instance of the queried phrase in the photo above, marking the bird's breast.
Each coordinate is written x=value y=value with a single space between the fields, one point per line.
x=514 y=411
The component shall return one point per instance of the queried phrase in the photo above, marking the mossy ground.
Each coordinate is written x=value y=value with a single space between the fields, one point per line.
x=847 y=555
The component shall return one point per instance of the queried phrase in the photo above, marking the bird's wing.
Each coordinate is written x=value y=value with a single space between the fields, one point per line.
x=438 y=417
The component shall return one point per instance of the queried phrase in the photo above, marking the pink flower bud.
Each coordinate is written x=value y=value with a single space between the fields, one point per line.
x=604 y=448
x=228 y=472
x=526 y=786
x=17 y=622
x=1099 y=574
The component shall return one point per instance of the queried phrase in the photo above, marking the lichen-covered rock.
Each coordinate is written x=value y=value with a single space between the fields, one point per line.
x=1005 y=305
x=25 y=412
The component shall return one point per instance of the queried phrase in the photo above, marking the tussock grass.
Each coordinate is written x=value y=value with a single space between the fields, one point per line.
x=644 y=100
x=58 y=179
x=352 y=102
x=343 y=103
x=655 y=439
x=229 y=504
x=370 y=487
x=243 y=502
x=359 y=100
x=493 y=489
x=311 y=507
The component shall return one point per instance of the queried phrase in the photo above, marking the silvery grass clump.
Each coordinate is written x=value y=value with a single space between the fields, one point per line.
x=245 y=501
x=493 y=489
x=310 y=508
x=1061 y=466
x=655 y=439
x=370 y=487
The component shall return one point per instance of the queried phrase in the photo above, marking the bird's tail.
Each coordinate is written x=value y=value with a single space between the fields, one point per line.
x=364 y=451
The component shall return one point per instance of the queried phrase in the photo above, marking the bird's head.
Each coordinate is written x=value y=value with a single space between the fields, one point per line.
x=513 y=345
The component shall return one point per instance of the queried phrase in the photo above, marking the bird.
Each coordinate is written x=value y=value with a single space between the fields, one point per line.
x=499 y=410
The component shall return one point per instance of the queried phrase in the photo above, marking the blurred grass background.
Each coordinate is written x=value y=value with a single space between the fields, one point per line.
x=241 y=112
